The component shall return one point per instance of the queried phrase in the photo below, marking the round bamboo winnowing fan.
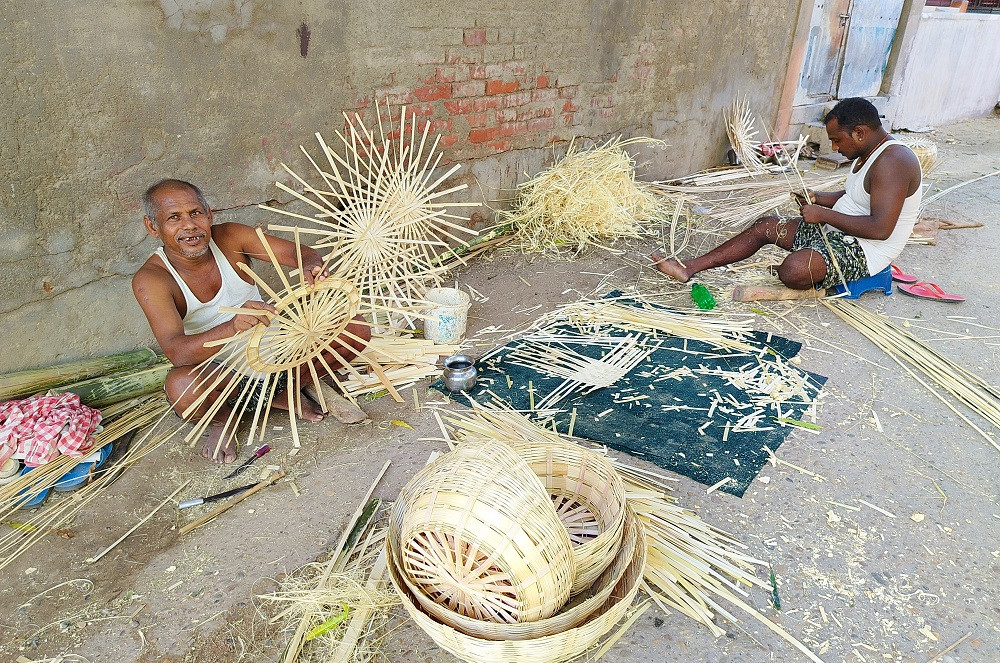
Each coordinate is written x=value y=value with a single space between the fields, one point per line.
x=378 y=208
x=301 y=340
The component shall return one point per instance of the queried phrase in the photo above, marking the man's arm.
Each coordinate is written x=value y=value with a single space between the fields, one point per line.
x=152 y=291
x=821 y=198
x=245 y=240
x=891 y=181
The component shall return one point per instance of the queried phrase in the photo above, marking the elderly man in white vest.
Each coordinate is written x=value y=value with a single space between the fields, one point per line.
x=867 y=224
x=184 y=283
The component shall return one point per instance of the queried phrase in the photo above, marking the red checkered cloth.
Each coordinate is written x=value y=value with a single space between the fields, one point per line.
x=40 y=428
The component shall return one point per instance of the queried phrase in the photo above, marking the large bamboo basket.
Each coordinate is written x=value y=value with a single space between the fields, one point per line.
x=475 y=531
x=589 y=497
x=555 y=648
x=925 y=149
x=572 y=614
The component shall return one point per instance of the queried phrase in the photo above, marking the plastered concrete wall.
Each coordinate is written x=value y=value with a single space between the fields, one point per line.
x=952 y=70
x=103 y=98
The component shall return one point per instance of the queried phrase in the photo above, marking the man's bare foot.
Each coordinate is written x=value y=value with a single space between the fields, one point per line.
x=670 y=267
x=220 y=454
x=310 y=411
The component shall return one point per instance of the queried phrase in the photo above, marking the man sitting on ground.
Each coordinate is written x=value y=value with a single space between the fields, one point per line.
x=867 y=224
x=181 y=287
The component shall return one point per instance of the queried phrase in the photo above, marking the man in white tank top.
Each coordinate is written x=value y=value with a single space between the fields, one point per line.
x=181 y=287
x=865 y=226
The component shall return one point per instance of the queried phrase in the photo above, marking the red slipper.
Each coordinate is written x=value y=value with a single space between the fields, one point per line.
x=927 y=290
x=901 y=276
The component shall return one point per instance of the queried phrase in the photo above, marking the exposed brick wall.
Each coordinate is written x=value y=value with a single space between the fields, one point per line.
x=484 y=100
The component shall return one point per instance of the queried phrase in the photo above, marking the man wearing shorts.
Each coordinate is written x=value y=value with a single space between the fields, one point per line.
x=190 y=277
x=866 y=225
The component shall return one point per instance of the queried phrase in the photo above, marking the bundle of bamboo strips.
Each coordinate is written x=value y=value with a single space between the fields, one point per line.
x=26 y=383
x=404 y=360
x=691 y=565
x=120 y=420
x=965 y=386
x=742 y=134
x=588 y=197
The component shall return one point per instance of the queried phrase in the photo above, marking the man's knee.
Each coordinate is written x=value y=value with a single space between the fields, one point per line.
x=802 y=269
x=178 y=387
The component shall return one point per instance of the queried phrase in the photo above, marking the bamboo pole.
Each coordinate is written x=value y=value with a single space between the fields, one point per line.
x=25 y=383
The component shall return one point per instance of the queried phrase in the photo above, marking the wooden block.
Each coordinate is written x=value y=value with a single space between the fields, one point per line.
x=754 y=293
x=832 y=161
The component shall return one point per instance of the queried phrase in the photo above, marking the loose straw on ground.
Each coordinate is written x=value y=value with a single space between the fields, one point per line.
x=966 y=387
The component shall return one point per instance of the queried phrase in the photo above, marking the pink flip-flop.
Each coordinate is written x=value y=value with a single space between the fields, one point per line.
x=900 y=276
x=928 y=290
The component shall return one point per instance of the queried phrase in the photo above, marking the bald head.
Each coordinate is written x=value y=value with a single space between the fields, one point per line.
x=149 y=198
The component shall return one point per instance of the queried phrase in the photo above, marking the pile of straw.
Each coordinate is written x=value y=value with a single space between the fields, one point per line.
x=587 y=198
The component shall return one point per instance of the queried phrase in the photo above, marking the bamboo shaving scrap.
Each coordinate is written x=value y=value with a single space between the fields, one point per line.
x=588 y=197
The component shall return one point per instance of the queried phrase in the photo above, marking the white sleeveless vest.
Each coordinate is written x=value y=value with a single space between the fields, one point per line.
x=857 y=202
x=202 y=316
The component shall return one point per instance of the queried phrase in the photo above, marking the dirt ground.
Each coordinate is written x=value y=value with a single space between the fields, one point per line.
x=899 y=583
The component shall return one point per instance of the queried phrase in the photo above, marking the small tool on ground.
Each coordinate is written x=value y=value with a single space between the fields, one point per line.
x=248 y=462
x=215 y=498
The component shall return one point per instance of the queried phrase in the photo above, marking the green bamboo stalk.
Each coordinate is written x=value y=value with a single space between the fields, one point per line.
x=110 y=389
x=26 y=383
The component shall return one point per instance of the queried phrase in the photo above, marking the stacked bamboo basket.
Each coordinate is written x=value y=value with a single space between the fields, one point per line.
x=528 y=555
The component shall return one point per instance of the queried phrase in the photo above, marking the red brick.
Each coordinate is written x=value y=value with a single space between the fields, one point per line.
x=484 y=135
x=474 y=37
x=394 y=96
x=542 y=81
x=459 y=107
x=569 y=91
x=442 y=75
x=495 y=71
x=607 y=113
x=448 y=141
x=568 y=119
x=433 y=92
x=530 y=113
x=516 y=68
x=421 y=110
x=545 y=95
x=541 y=124
x=468 y=89
x=486 y=103
x=476 y=119
x=513 y=129
x=506 y=115
x=517 y=99
x=477 y=71
x=501 y=87
x=501 y=145
x=570 y=107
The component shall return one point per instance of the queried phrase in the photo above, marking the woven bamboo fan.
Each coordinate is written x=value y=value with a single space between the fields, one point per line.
x=309 y=320
x=573 y=613
x=378 y=208
x=555 y=648
x=475 y=532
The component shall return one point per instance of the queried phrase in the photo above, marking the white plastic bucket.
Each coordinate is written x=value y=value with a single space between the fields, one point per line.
x=447 y=318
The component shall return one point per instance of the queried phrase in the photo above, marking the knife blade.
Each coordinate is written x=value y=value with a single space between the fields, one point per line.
x=215 y=498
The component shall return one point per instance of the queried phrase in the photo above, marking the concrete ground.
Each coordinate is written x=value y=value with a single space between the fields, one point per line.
x=900 y=582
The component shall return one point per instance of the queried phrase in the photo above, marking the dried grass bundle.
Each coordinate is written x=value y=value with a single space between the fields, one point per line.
x=379 y=209
x=587 y=198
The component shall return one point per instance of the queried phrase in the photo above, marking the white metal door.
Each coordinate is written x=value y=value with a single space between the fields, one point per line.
x=870 y=33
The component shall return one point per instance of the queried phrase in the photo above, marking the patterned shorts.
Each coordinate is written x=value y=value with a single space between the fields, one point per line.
x=850 y=255
x=257 y=392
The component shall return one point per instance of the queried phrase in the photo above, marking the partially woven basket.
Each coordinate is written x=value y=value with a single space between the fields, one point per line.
x=589 y=497
x=556 y=648
x=572 y=614
x=925 y=149
x=475 y=532
x=308 y=318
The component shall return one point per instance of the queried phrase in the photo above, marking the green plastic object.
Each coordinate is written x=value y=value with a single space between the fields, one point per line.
x=702 y=297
